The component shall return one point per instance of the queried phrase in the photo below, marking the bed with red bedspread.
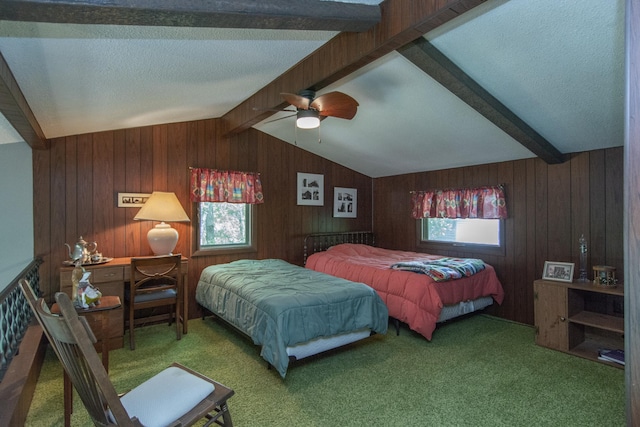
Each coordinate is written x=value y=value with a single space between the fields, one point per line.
x=412 y=298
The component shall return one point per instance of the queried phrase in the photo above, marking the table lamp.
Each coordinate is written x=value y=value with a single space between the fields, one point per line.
x=162 y=207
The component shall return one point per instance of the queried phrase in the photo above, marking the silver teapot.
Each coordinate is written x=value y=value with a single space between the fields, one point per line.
x=82 y=250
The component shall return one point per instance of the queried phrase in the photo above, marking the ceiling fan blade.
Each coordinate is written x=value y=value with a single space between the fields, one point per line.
x=336 y=104
x=279 y=118
x=273 y=109
x=296 y=100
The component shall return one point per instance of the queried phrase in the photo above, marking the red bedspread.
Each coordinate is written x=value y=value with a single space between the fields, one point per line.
x=412 y=298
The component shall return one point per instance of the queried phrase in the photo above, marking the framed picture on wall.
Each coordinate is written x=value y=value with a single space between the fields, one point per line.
x=132 y=200
x=345 y=202
x=310 y=189
x=560 y=271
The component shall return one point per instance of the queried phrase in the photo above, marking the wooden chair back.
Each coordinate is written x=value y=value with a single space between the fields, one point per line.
x=154 y=282
x=156 y=274
x=72 y=340
x=32 y=300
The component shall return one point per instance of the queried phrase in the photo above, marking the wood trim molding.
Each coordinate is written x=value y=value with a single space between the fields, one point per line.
x=402 y=21
x=268 y=14
x=430 y=60
x=16 y=110
x=631 y=226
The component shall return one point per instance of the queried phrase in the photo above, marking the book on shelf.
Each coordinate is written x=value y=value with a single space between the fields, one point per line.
x=616 y=356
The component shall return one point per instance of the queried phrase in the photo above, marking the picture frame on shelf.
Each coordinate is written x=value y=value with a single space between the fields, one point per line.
x=310 y=189
x=558 y=271
x=345 y=202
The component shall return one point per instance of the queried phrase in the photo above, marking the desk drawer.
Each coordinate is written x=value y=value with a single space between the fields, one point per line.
x=107 y=274
x=108 y=279
x=98 y=275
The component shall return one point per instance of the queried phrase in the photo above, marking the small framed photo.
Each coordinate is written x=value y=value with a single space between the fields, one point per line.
x=132 y=200
x=345 y=202
x=310 y=189
x=560 y=271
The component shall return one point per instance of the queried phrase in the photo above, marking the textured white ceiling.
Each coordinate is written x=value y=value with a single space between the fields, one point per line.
x=406 y=122
x=558 y=64
x=82 y=78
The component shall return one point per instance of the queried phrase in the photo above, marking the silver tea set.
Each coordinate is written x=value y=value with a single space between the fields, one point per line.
x=84 y=252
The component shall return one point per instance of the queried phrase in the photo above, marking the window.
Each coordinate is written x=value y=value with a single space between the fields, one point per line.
x=224 y=226
x=475 y=231
x=481 y=235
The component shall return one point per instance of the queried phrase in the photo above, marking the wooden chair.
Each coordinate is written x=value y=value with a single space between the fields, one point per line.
x=155 y=282
x=175 y=396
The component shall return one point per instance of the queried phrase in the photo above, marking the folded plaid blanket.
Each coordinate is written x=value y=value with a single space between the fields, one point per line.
x=444 y=268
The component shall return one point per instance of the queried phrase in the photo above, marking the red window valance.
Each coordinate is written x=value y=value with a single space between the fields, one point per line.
x=481 y=202
x=211 y=185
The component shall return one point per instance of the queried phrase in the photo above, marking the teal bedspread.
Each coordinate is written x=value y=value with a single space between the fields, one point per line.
x=279 y=304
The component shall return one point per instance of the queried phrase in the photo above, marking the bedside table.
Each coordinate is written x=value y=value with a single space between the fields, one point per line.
x=105 y=322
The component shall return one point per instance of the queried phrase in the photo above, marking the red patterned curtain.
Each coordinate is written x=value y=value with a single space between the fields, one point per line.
x=210 y=185
x=481 y=202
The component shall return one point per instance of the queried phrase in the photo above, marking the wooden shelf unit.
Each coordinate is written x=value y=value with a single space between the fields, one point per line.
x=579 y=318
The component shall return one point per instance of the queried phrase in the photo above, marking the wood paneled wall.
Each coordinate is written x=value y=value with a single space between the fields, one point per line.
x=77 y=180
x=549 y=207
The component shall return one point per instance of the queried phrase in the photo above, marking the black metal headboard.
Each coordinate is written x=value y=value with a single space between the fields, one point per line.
x=319 y=242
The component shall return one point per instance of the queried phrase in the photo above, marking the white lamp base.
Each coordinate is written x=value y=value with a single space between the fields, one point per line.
x=162 y=239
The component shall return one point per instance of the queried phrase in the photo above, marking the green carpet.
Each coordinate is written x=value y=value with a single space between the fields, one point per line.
x=478 y=371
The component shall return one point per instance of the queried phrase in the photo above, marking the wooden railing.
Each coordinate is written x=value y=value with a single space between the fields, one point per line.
x=15 y=314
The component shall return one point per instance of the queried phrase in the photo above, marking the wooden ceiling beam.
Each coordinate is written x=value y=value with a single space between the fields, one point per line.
x=16 y=110
x=430 y=60
x=265 y=14
x=402 y=21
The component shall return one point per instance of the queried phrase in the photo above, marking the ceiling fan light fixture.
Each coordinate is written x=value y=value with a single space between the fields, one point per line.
x=308 y=119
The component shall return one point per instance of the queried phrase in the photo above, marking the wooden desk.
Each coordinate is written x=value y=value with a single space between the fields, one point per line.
x=112 y=277
x=101 y=320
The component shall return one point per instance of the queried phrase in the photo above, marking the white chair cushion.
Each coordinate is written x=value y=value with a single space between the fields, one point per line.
x=166 y=397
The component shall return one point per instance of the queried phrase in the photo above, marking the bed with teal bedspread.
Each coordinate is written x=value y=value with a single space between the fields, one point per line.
x=280 y=305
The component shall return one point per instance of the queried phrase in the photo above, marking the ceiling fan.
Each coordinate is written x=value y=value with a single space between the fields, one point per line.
x=310 y=110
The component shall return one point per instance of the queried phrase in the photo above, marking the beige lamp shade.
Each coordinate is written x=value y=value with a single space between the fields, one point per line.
x=163 y=207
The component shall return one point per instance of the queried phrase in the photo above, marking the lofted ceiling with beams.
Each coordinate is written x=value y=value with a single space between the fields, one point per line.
x=488 y=81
